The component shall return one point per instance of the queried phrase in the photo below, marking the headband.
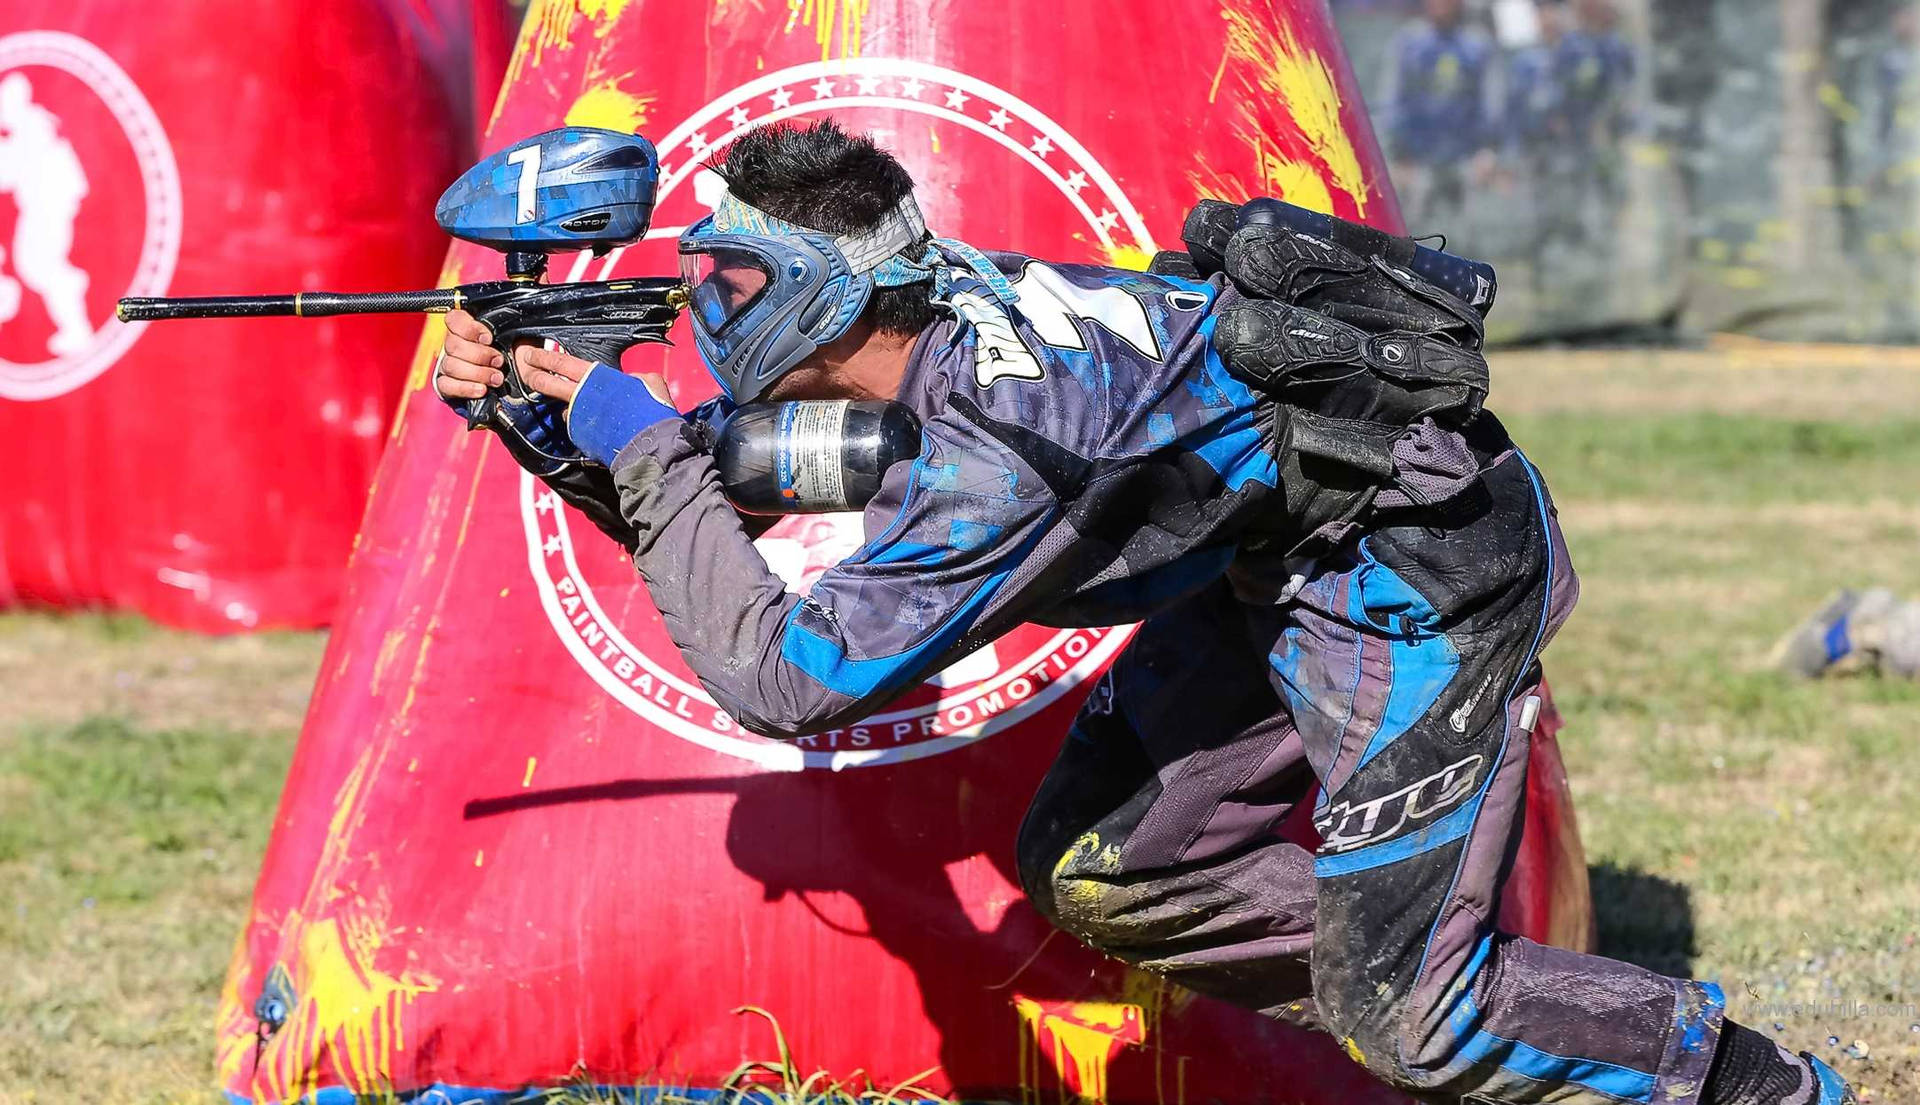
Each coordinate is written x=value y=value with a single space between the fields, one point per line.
x=877 y=249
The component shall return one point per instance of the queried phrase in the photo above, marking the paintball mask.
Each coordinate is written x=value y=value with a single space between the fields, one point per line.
x=767 y=293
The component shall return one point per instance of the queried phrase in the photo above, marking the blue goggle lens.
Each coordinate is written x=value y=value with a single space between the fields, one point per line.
x=724 y=283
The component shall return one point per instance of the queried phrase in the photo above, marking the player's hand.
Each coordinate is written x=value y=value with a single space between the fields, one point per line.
x=554 y=373
x=557 y=374
x=468 y=364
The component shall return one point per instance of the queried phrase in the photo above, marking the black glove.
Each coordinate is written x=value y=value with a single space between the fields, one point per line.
x=1212 y=224
x=1330 y=332
x=1265 y=262
x=1376 y=370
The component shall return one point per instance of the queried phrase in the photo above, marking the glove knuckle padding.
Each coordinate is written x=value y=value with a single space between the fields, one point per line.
x=1376 y=372
x=1269 y=263
x=1169 y=262
x=1206 y=231
x=1335 y=369
x=1266 y=262
x=1365 y=421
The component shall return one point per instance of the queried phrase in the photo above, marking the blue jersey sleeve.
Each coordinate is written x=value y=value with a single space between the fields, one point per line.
x=947 y=537
x=940 y=572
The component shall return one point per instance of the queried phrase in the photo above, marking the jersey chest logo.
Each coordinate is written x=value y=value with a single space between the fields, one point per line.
x=1058 y=312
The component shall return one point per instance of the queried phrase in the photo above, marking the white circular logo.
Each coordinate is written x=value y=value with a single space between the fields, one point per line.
x=982 y=694
x=46 y=176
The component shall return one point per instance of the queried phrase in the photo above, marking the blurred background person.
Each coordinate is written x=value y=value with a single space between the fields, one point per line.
x=1564 y=121
x=1438 y=132
x=1534 y=128
x=1594 y=70
x=1898 y=93
x=1893 y=160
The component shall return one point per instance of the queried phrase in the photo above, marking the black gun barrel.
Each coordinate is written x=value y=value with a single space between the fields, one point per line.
x=298 y=305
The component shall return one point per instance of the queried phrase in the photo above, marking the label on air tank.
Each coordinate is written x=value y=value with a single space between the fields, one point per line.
x=812 y=436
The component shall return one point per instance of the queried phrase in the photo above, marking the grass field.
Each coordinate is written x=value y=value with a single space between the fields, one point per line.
x=1741 y=827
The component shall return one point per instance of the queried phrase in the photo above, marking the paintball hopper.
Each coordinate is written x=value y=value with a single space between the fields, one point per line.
x=560 y=191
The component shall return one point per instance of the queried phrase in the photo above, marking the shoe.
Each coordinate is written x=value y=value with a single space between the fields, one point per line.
x=1829 y=1087
x=1845 y=634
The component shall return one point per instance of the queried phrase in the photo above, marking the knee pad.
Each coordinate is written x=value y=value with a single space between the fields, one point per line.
x=1075 y=884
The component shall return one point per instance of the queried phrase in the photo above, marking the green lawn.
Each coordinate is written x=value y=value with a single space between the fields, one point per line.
x=1746 y=828
x=139 y=771
x=1742 y=827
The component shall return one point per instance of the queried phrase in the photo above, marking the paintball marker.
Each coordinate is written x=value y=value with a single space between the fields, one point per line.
x=584 y=188
x=557 y=192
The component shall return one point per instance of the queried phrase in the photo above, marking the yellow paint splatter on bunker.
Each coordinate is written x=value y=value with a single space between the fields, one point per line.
x=825 y=17
x=1127 y=256
x=1285 y=85
x=549 y=25
x=347 y=1001
x=606 y=104
x=348 y=1018
x=1079 y=1039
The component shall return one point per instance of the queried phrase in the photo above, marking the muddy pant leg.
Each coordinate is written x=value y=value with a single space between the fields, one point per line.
x=1409 y=667
x=1153 y=836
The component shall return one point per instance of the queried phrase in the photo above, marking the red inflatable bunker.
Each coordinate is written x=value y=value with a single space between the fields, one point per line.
x=520 y=846
x=210 y=474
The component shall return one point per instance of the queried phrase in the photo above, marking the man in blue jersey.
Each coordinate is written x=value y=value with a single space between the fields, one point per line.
x=1594 y=69
x=1344 y=568
x=1438 y=132
x=1566 y=107
x=1894 y=173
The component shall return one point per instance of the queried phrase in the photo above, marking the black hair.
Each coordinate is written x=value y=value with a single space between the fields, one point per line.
x=820 y=177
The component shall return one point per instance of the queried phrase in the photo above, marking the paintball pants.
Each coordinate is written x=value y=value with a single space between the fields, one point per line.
x=1399 y=680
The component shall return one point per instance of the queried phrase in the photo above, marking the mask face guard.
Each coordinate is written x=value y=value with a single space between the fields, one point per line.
x=767 y=293
x=809 y=298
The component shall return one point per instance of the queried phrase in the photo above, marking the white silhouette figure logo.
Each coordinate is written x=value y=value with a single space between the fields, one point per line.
x=40 y=170
x=44 y=131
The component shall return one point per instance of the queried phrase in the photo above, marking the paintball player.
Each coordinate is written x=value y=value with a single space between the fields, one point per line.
x=1536 y=135
x=1437 y=112
x=1565 y=118
x=1532 y=120
x=1595 y=70
x=1346 y=572
x=1894 y=180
